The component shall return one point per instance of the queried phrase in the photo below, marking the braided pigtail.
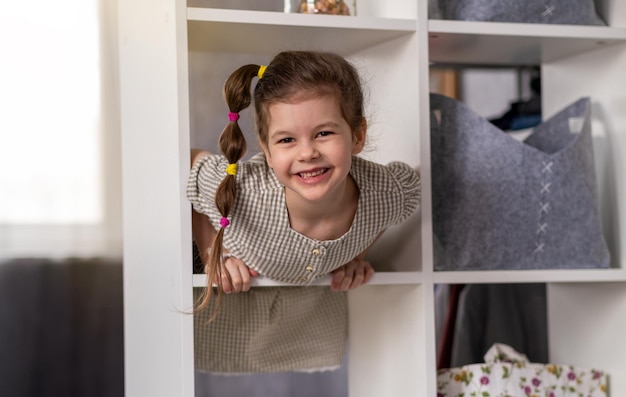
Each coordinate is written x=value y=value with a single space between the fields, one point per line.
x=232 y=144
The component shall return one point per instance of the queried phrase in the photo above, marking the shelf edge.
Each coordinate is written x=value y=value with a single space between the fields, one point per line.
x=530 y=276
x=380 y=278
x=526 y=30
x=299 y=20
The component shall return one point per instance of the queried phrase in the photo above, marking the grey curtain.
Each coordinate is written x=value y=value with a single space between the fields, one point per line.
x=61 y=328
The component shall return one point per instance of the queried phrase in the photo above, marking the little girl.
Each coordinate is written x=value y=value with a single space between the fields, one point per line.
x=305 y=207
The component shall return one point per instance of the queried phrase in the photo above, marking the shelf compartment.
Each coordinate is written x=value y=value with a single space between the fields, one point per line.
x=263 y=32
x=380 y=278
x=513 y=44
x=530 y=276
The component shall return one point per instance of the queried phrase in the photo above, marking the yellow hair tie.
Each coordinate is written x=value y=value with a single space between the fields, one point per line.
x=261 y=71
x=231 y=169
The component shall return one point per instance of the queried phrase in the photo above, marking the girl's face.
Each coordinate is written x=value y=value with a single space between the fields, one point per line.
x=310 y=147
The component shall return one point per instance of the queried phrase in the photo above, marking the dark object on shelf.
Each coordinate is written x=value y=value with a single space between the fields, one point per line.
x=514 y=314
x=499 y=203
x=522 y=114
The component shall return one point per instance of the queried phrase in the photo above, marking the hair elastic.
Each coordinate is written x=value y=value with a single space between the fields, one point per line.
x=224 y=222
x=231 y=169
x=232 y=116
x=261 y=71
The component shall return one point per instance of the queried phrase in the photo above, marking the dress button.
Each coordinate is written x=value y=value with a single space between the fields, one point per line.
x=304 y=279
x=316 y=251
x=309 y=268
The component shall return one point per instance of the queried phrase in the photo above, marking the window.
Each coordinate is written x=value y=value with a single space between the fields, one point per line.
x=51 y=134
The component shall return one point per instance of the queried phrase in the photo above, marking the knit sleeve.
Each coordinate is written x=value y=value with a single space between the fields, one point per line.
x=205 y=176
x=408 y=180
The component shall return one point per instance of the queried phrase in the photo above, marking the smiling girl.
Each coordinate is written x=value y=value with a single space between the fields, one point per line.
x=305 y=207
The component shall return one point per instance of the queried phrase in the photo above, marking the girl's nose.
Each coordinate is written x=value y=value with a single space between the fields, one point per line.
x=308 y=151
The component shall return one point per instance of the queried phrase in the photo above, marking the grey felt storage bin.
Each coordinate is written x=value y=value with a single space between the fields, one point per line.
x=251 y=5
x=567 y=12
x=500 y=203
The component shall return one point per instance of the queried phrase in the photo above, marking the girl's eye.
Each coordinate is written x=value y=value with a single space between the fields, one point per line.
x=325 y=133
x=286 y=140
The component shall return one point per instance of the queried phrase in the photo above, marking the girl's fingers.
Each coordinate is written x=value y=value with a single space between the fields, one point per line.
x=240 y=276
x=244 y=273
x=369 y=273
x=352 y=275
x=358 y=278
x=225 y=283
x=338 y=276
x=236 y=278
x=364 y=274
x=349 y=276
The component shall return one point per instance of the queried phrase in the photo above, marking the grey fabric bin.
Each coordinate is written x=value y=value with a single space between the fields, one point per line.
x=499 y=203
x=567 y=12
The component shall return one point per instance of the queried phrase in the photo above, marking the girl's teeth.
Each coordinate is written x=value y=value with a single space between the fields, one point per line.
x=312 y=174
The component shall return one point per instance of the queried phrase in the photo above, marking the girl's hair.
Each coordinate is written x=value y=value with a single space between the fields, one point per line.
x=290 y=76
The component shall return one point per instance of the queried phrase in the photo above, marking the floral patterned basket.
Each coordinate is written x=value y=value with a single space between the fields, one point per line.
x=507 y=373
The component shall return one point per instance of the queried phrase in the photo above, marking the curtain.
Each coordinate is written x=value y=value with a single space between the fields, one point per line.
x=61 y=310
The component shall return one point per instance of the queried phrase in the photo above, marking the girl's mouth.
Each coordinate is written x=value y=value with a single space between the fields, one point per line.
x=312 y=174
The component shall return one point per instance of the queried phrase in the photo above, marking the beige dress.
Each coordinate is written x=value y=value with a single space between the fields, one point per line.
x=299 y=328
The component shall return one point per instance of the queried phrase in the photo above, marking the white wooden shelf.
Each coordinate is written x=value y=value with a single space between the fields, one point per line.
x=530 y=276
x=261 y=32
x=380 y=278
x=170 y=49
x=493 y=43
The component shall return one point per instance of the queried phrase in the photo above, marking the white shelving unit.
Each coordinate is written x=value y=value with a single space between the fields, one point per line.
x=173 y=62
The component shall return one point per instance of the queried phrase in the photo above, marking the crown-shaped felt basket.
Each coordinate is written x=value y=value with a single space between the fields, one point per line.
x=502 y=203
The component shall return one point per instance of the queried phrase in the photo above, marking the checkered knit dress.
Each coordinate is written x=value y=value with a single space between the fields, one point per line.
x=300 y=327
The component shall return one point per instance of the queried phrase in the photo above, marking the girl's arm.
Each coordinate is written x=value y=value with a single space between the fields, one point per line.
x=197 y=154
x=203 y=234
x=201 y=229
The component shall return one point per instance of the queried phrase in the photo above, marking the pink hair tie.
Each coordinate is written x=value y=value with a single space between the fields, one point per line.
x=232 y=116
x=224 y=222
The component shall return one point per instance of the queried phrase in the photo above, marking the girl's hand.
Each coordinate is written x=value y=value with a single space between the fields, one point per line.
x=353 y=274
x=240 y=275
